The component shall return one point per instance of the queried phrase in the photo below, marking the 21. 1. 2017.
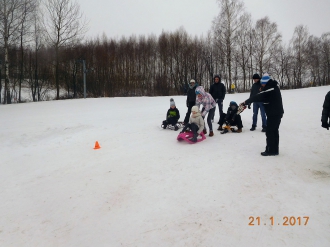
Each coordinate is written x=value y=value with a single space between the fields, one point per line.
x=285 y=221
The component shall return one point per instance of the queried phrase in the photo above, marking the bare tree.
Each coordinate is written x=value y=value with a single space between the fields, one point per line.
x=38 y=41
x=266 y=39
x=11 y=18
x=243 y=52
x=28 y=14
x=225 y=27
x=64 y=26
x=299 y=53
x=325 y=57
x=280 y=64
x=314 y=59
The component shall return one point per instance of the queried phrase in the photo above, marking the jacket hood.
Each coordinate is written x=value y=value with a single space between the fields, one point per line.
x=217 y=76
x=195 y=109
x=200 y=90
x=272 y=83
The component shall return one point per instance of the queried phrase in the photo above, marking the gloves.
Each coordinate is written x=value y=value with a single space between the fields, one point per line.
x=325 y=125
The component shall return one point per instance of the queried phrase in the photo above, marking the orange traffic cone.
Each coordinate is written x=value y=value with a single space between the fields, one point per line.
x=97 y=145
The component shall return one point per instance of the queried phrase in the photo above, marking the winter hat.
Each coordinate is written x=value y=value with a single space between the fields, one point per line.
x=172 y=103
x=256 y=76
x=200 y=90
x=195 y=108
x=232 y=103
x=265 y=78
x=192 y=84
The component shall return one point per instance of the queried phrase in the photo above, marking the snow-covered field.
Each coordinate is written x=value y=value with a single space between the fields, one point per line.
x=144 y=188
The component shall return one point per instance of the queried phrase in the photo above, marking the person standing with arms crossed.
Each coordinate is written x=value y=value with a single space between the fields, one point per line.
x=218 y=93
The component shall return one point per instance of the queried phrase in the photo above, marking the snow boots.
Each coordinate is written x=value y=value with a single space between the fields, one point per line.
x=194 y=139
x=164 y=125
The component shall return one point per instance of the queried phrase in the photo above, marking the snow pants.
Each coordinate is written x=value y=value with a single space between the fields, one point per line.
x=272 y=133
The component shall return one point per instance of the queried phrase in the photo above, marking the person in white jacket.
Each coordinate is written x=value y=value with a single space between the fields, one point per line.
x=196 y=123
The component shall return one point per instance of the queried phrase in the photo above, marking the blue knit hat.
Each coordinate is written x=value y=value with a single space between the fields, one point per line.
x=265 y=78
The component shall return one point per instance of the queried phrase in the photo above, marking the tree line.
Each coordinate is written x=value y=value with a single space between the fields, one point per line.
x=43 y=49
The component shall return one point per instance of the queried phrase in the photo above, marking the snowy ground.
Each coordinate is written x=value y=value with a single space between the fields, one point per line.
x=144 y=188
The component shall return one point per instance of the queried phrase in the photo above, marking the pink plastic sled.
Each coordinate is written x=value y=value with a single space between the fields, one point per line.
x=188 y=135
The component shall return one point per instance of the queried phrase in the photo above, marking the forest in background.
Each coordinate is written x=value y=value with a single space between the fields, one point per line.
x=43 y=48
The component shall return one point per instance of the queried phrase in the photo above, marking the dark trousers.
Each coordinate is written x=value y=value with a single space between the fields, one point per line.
x=192 y=126
x=210 y=116
x=190 y=105
x=237 y=121
x=220 y=106
x=256 y=107
x=173 y=121
x=272 y=133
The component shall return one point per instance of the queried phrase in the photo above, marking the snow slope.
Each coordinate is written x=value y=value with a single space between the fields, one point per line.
x=144 y=188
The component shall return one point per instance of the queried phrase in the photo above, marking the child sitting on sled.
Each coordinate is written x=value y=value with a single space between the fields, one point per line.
x=196 y=123
x=172 y=116
x=232 y=118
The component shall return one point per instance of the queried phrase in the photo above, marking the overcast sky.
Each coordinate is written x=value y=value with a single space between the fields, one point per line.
x=117 y=18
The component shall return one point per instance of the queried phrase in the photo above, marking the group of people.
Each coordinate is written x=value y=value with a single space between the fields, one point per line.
x=265 y=95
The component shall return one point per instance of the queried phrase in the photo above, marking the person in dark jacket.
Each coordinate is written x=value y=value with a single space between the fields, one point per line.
x=172 y=116
x=231 y=118
x=272 y=99
x=191 y=99
x=326 y=112
x=255 y=89
x=218 y=92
